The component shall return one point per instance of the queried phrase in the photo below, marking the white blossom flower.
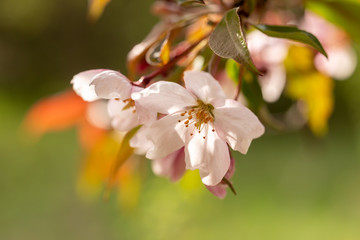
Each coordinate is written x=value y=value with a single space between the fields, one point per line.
x=124 y=112
x=199 y=118
x=81 y=84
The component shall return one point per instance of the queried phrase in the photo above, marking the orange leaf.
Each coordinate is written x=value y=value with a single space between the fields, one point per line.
x=55 y=113
x=96 y=8
x=89 y=135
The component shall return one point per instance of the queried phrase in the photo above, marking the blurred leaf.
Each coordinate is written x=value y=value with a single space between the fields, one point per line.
x=97 y=167
x=159 y=53
x=165 y=47
x=96 y=8
x=232 y=70
x=344 y=14
x=250 y=86
x=312 y=88
x=137 y=53
x=228 y=40
x=292 y=33
x=252 y=91
x=316 y=90
x=190 y=2
x=201 y=28
x=55 y=113
x=89 y=135
x=165 y=52
x=124 y=153
x=129 y=189
x=300 y=60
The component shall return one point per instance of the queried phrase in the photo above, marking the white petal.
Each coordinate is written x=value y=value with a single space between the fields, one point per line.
x=167 y=136
x=112 y=84
x=204 y=87
x=164 y=97
x=209 y=155
x=122 y=120
x=97 y=114
x=145 y=116
x=140 y=142
x=81 y=84
x=238 y=125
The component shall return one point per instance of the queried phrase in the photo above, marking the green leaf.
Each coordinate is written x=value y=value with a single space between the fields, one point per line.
x=252 y=91
x=292 y=33
x=228 y=40
x=189 y=2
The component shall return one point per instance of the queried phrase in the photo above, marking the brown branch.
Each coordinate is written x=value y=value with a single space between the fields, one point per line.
x=144 y=80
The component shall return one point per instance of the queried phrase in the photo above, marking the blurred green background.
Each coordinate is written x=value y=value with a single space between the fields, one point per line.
x=290 y=185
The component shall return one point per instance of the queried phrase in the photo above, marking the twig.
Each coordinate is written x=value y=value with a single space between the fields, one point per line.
x=143 y=81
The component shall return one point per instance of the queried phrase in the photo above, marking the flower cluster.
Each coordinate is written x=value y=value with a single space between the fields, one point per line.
x=201 y=69
x=196 y=124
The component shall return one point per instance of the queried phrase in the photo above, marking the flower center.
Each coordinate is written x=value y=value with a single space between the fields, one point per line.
x=129 y=103
x=199 y=117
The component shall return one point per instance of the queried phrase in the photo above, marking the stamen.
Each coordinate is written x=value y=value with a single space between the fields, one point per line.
x=198 y=117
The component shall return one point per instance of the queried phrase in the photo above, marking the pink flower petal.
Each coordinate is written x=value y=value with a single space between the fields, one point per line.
x=171 y=166
x=81 y=84
x=238 y=125
x=145 y=116
x=218 y=190
x=140 y=142
x=112 y=84
x=204 y=87
x=164 y=97
x=209 y=155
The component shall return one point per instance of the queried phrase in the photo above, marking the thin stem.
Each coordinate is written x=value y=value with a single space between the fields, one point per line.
x=241 y=74
x=227 y=182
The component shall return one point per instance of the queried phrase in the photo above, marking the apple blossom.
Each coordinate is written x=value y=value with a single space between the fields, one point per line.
x=124 y=112
x=199 y=118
